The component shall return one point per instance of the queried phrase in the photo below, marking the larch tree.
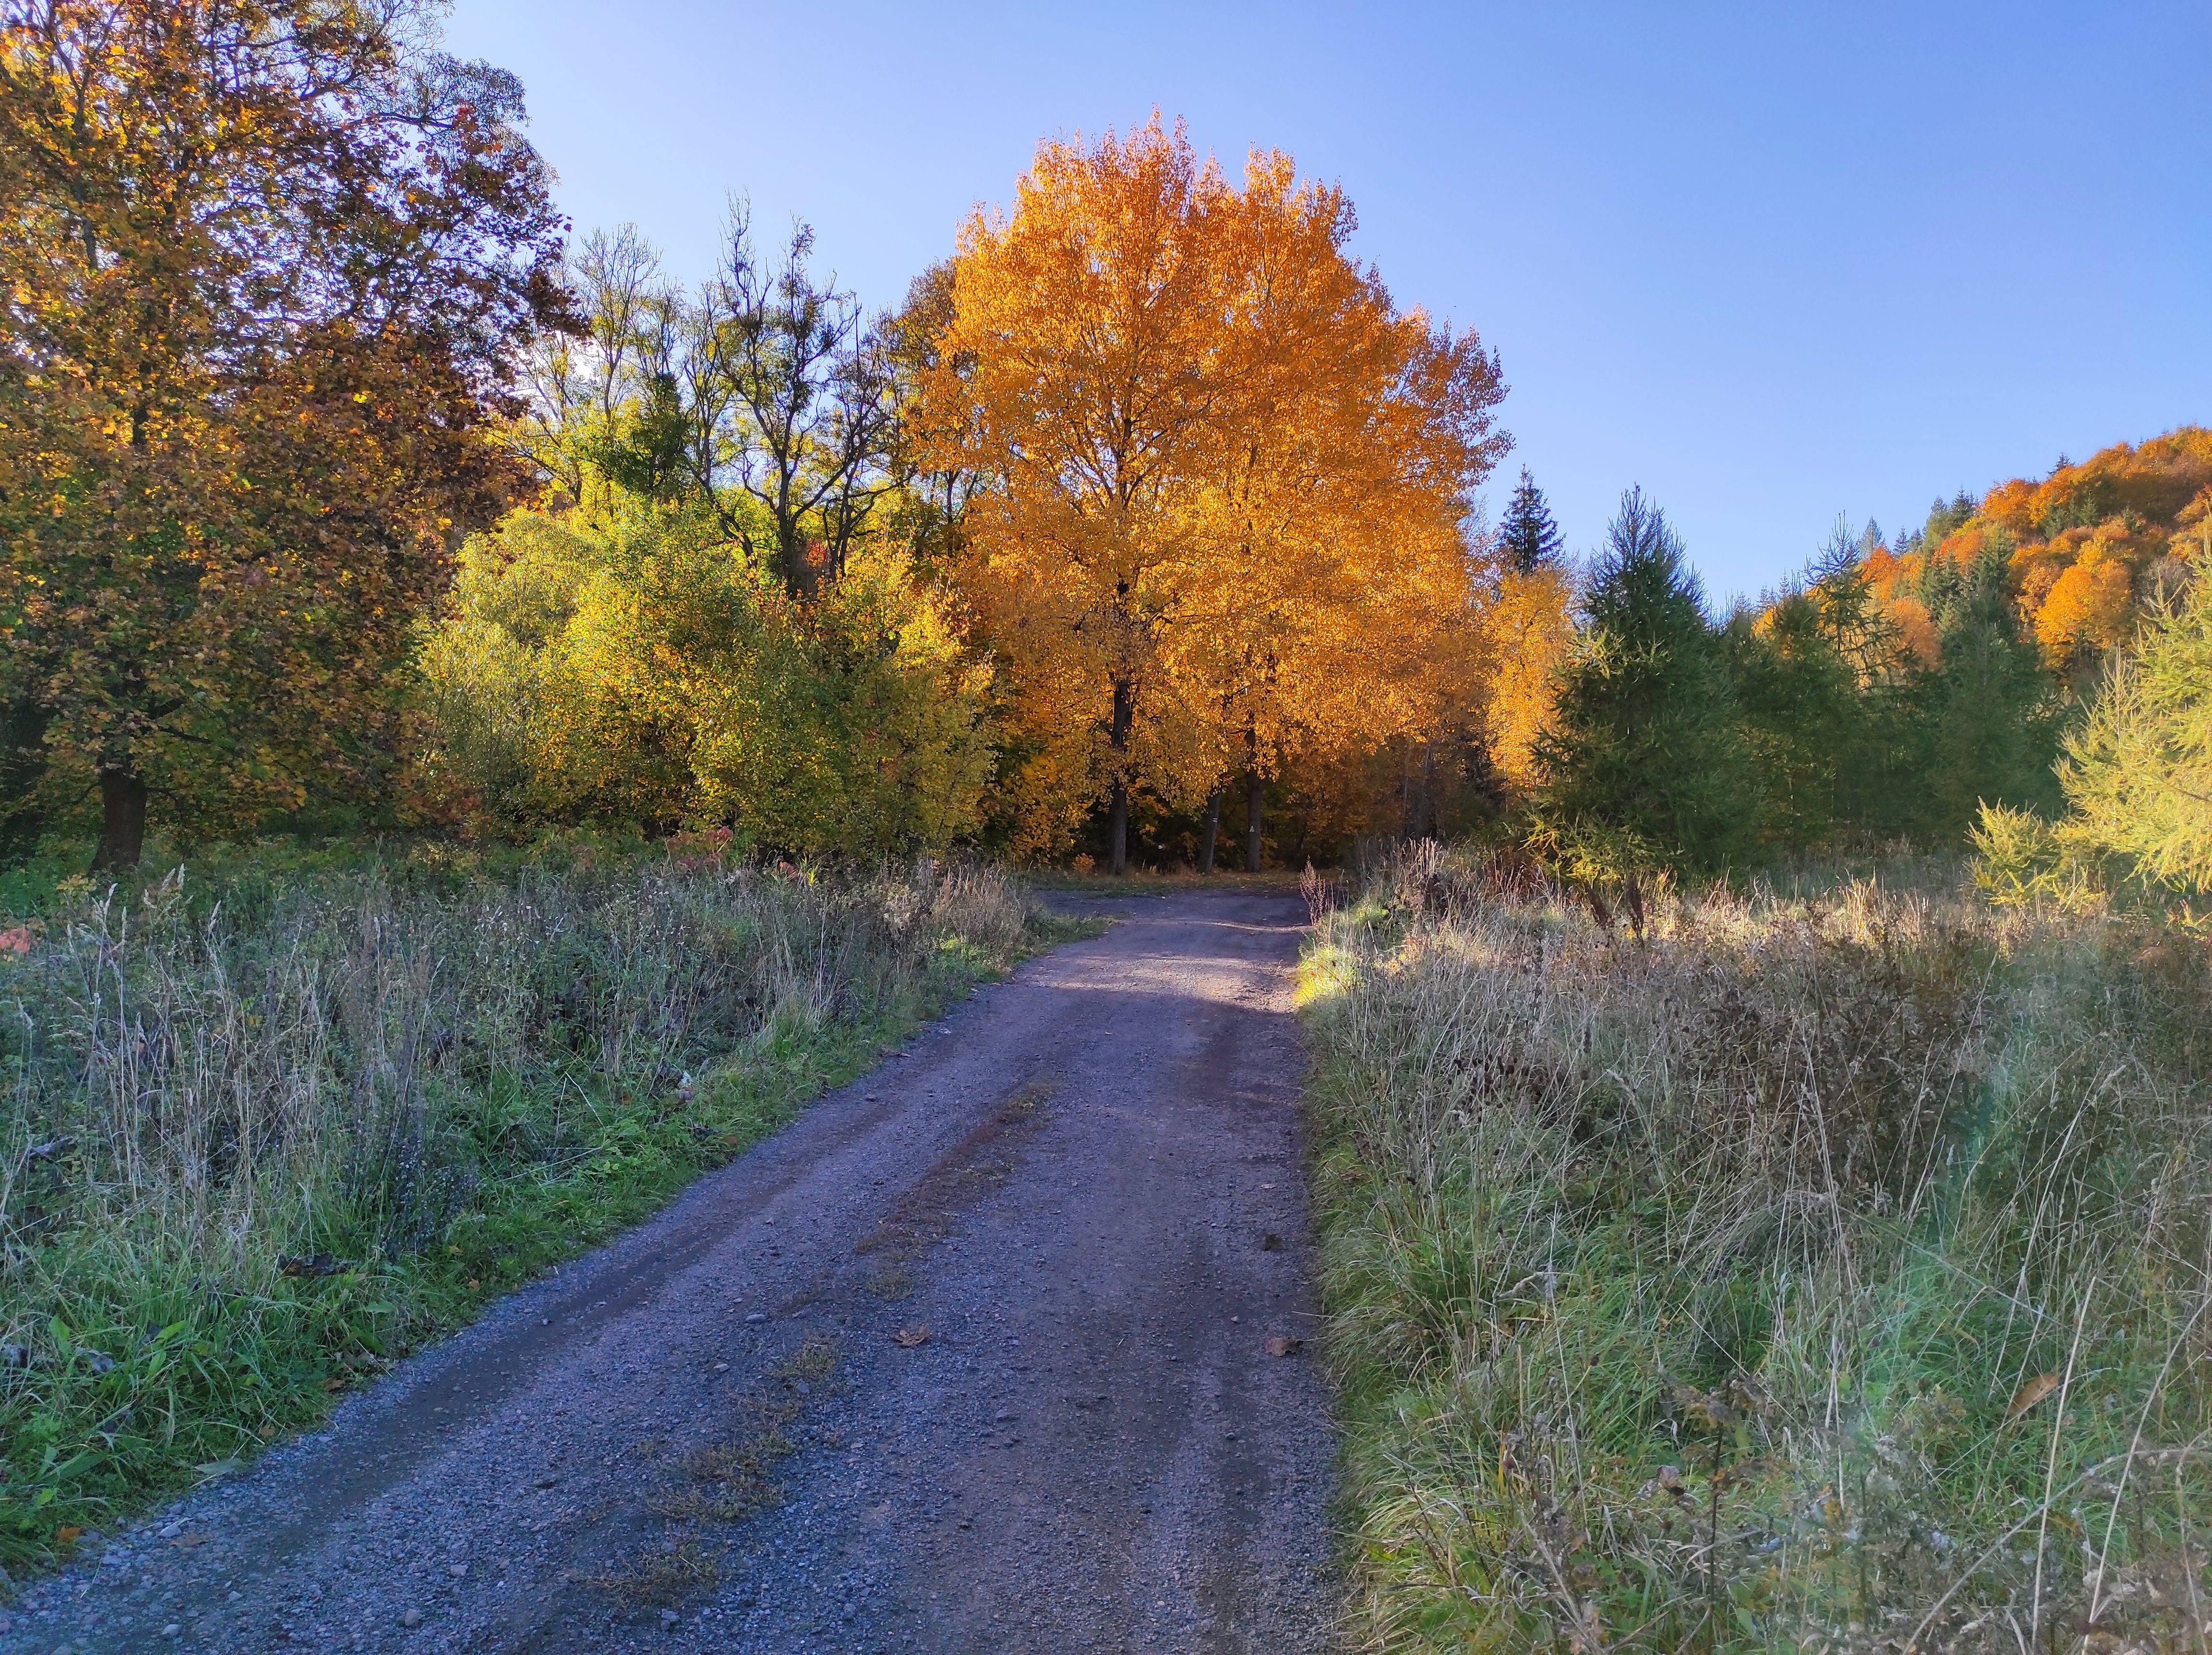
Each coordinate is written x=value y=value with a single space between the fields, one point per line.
x=2138 y=774
x=1224 y=477
x=264 y=266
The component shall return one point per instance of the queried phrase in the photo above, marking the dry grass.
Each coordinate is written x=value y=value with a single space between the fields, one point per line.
x=251 y=1146
x=1829 y=1272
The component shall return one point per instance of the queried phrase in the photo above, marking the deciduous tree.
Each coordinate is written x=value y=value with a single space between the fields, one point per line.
x=1225 y=476
x=263 y=264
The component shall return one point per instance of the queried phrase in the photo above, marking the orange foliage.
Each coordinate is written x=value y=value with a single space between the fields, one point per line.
x=2091 y=604
x=1225 y=476
x=1531 y=630
x=2085 y=544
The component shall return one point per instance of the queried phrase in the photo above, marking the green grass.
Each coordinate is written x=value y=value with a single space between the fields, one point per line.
x=271 y=1126
x=1830 y=1273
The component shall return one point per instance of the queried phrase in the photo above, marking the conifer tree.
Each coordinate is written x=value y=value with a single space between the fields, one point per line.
x=2139 y=773
x=1528 y=539
x=1989 y=716
x=1645 y=765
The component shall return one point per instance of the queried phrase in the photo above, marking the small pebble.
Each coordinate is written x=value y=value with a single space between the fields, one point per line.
x=413 y=1617
x=172 y=1630
x=171 y=1530
x=757 y=1316
x=668 y=1617
x=457 y=1570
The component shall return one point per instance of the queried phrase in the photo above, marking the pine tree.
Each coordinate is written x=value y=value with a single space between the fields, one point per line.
x=1645 y=765
x=1528 y=538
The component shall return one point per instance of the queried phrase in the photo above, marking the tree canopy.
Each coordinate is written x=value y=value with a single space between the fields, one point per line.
x=1225 y=475
x=263 y=264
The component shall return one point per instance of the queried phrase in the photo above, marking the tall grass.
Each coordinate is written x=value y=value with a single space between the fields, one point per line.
x=1828 y=1272
x=252 y=1148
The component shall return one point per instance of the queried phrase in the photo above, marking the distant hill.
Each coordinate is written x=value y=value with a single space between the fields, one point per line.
x=2085 y=547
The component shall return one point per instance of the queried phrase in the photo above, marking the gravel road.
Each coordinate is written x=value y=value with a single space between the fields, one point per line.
x=980 y=1355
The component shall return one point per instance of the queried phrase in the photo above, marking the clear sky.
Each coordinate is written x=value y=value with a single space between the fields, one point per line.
x=1774 y=263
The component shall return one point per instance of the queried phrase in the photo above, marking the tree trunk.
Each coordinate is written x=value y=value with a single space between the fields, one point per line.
x=1124 y=717
x=1253 y=788
x=1213 y=831
x=122 y=820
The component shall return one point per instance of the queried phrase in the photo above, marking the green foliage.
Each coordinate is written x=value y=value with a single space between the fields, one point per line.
x=652 y=673
x=1945 y=517
x=2138 y=775
x=1645 y=765
x=1989 y=719
x=1528 y=539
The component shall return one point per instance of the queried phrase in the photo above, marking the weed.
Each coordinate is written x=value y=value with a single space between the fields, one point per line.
x=1829 y=1272
x=260 y=1135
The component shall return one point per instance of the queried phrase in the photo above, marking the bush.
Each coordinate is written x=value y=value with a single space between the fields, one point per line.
x=654 y=675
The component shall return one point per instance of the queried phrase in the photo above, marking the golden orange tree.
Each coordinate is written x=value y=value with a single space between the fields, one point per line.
x=1224 y=475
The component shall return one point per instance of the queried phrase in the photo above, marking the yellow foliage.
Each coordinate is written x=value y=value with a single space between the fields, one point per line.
x=1225 y=476
x=1531 y=628
x=657 y=675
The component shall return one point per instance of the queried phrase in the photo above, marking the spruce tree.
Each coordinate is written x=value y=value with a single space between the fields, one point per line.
x=1528 y=537
x=1645 y=765
x=1989 y=716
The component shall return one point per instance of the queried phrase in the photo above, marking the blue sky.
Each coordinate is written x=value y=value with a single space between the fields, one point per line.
x=1772 y=263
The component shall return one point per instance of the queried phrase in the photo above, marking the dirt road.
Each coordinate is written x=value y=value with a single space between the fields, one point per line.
x=975 y=1357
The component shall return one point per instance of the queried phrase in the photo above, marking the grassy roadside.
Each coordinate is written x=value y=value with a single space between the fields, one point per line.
x=1832 y=1273
x=259 y=1140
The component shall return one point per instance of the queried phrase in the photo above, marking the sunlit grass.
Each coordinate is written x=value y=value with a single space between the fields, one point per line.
x=1829 y=1273
x=259 y=1140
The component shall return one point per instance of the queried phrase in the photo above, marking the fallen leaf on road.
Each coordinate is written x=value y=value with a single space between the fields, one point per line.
x=188 y=1541
x=334 y=1384
x=906 y=1338
x=1280 y=1346
x=2031 y=1393
x=1271 y=1242
x=67 y=1534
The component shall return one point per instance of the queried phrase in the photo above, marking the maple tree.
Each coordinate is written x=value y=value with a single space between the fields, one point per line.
x=1223 y=477
x=262 y=263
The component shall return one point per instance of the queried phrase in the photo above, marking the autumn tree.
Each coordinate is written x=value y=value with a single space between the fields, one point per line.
x=263 y=264
x=765 y=395
x=1226 y=475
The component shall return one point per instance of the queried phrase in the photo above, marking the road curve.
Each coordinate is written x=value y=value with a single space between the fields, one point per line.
x=980 y=1355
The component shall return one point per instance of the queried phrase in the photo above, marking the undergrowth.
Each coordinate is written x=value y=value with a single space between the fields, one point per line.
x=1828 y=1271
x=259 y=1140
